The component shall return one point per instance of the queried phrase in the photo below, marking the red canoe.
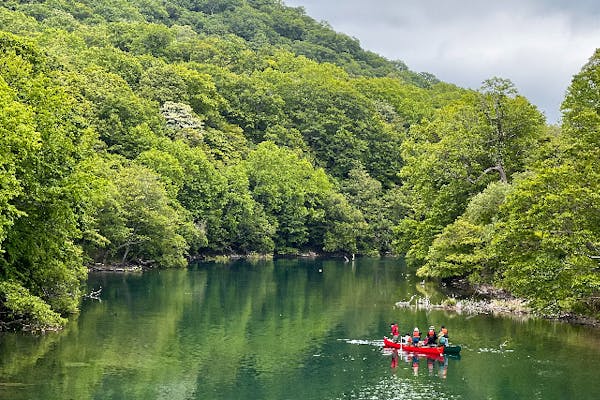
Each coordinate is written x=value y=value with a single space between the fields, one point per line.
x=437 y=351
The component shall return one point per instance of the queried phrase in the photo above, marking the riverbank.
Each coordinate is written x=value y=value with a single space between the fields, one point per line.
x=117 y=268
x=464 y=298
x=499 y=301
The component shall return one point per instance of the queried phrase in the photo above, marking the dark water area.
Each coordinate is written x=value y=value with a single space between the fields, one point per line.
x=288 y=329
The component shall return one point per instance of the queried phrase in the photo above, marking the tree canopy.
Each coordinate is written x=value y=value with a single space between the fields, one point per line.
x=154 y=132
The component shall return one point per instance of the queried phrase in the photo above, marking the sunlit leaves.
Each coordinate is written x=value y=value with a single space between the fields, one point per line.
x=290 y=190
x=18 y=140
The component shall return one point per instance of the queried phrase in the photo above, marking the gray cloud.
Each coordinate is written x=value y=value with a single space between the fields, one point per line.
x=538 y=44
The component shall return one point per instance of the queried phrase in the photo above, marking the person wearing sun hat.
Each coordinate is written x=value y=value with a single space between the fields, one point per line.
x=416 y=337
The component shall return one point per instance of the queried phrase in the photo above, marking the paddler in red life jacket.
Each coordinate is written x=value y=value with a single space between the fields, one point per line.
x=416 y=337
x=444 y=336
x=395 y=332
x=431 y=339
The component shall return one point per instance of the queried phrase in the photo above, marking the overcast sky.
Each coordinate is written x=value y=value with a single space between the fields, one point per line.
x=538 y=44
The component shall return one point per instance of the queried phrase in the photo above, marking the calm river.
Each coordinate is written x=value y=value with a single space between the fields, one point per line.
x=289 y=329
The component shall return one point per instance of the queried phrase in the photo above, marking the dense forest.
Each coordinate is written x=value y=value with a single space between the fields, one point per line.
x=156 y=131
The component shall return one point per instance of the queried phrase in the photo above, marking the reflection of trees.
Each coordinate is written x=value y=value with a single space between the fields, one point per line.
x=252 y=331
x=30 y=348
x=279 y=319
x=186 y=332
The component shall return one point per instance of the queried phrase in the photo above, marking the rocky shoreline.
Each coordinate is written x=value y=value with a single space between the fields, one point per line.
x=472 y=306
x=487 y=299
x=116 y=268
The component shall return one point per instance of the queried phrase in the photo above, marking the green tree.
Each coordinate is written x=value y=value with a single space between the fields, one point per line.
x=176 y=83
x=460 y=250
x=513 y=127
x=548 y=244
x=244 y=222
x=167 y=167
x=136 y=219
x=18 y=138
x=449 y=159
x=291 y=192
x=46 y=137
x=203 y=191
x=127 y=123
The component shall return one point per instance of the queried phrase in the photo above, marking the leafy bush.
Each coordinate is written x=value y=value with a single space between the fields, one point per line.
x=26 y=311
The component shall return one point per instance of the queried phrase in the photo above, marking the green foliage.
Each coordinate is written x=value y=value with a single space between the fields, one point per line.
x=152 y=131
x=155 y=226
x=26 y=311
x=126 y=123
x=346 y=228
x=44 y=147
x=136 y=218
x=549 y=239
x=115 y=61
x=460 y=249
x=545 y=242
x=176 y=83
x=375 y=211
x=169 y=171
x=17 y=139
x=291 y=192
x=538 y=237
x=451 y=158
x=581 y=108
x=244 y=223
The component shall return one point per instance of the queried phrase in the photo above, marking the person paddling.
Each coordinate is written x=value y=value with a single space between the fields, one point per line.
x=444 y=332
x=431 y=339
x=395 y=332
x=416 y=337
x=444 y=336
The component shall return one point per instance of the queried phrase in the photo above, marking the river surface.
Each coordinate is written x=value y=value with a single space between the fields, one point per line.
x=288 y=329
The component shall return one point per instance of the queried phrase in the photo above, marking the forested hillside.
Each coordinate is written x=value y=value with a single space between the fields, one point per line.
x=151 y=132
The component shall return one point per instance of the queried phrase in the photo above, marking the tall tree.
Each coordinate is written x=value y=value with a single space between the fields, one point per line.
x=548 y=245
x=449 y=159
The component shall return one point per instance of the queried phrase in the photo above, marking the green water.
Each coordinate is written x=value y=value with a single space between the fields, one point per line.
x=287 y=329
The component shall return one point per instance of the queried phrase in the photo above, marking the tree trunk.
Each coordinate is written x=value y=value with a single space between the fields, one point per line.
x=125 y=255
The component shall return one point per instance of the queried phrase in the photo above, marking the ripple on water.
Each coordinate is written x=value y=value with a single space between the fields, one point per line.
x=396 y=388
x=377 y=343
x=495 y=351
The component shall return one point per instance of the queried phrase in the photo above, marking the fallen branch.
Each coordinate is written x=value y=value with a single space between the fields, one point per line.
x=94 y=294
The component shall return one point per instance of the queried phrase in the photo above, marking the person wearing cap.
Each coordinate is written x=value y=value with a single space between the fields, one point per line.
x=416 y=337
x=431 y=339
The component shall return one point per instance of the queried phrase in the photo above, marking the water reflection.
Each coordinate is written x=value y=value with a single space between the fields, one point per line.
x=395 y=357
x=436 y=365
x=274 y=330
x=398 y=387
